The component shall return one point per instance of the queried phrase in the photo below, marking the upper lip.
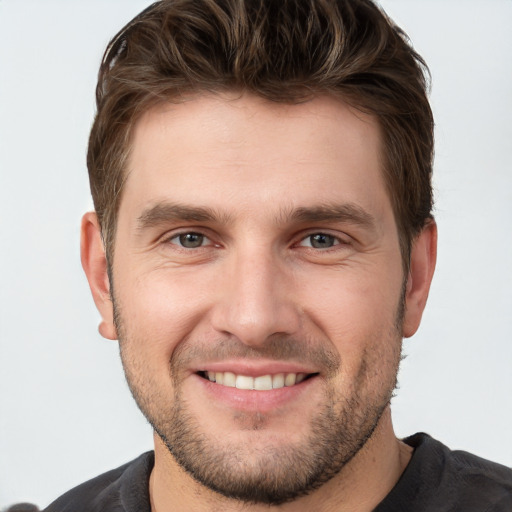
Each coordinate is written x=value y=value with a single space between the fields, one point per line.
x=255 y=368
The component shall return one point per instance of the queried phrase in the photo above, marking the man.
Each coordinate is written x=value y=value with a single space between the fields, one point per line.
x=261 y=243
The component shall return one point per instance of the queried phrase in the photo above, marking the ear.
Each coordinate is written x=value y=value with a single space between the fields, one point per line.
x=422 y=265
x=94 y=263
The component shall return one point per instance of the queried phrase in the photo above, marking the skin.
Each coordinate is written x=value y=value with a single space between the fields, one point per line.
x=259 y=296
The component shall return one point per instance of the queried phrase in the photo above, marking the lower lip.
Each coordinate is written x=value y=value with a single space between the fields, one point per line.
x=253 y=400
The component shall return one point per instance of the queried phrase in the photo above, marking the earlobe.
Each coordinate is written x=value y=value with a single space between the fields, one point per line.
x=422 y=265
x=94 y=263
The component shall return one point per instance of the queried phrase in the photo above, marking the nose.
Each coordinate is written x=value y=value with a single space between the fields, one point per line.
x=255 y=299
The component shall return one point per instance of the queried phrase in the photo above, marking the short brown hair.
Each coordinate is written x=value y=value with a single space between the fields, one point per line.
x=282 y=50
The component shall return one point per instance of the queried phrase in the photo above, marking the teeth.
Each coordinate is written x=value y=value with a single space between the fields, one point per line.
x=243 y=382
x=263 y=383
x=229 y=379
x=290 y=379
x=278 y=381
x=260 y=383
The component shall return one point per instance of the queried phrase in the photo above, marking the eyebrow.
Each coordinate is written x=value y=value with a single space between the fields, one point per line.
x=164 y=212
x=346 y=212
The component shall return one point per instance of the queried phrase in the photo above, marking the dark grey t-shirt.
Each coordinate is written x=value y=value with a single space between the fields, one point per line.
x=437 y=479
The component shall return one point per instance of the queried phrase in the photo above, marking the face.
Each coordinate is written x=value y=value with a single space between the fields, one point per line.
x=258 y=286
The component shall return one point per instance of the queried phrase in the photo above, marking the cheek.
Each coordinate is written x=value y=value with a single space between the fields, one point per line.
x=346 y=302
x=358 y=314
x=158 y=311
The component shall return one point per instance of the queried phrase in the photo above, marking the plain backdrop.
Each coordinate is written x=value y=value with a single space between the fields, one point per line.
x=65 y=411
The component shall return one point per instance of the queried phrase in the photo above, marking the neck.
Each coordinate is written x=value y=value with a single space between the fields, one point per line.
x=359 y=487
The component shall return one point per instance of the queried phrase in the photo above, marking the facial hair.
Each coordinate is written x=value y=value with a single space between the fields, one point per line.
x=271 y=475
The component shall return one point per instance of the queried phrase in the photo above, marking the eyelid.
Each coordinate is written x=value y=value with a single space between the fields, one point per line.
x=171 y=236
x=176 y=233
x=340 y=239
x=204 y=240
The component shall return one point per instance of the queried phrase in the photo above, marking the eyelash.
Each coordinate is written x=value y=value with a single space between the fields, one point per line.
x=178 y=236
x=337 y=241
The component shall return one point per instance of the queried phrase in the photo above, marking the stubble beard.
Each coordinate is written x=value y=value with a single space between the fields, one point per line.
x=277 y=474
x=270 y=475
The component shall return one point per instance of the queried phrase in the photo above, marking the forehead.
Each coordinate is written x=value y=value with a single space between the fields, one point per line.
x=226 y=151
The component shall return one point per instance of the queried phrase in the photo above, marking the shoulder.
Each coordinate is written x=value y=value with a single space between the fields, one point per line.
x=455 y=480
x=122 y=489
x=481 y=481
x=460 y=463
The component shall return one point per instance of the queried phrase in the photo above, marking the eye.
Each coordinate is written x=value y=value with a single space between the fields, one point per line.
x=189 y=240
x=319 y=241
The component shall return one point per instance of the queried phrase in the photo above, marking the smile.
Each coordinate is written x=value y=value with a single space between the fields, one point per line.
x=259 y=383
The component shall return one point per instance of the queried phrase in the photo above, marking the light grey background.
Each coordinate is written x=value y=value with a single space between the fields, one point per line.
x=65 y=411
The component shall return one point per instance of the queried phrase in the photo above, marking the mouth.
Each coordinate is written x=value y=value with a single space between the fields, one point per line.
x=258 y=383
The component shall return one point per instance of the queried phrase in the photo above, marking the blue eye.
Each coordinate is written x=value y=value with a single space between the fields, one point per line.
x=189 y=240
x=320 y=241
